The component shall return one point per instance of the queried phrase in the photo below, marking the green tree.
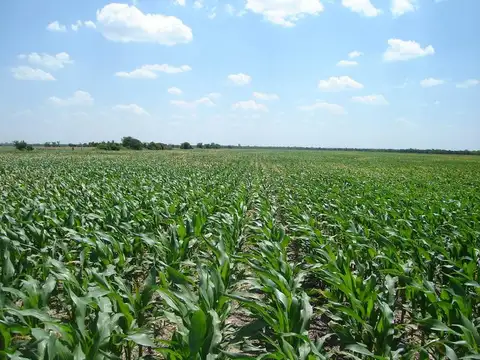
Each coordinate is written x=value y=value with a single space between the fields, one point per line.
x=20 y=145
x=186 y=145
x=132 y=143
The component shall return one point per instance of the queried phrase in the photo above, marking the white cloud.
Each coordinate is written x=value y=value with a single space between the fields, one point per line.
x=56 y=26
x=53 y=62
x=468 y=83
x=400 y=7
x=249 y=105
x=346 y=63
x=400 y=50
x=212 y=14
x=132 y=109
x=371 y=99
x=28 y=73
x=265 y=96
x=229 y=9
x=193 y=104
x=125 y=23
x=151 y=71
x=175 y=91
x=354 y=54
x=90 y=24
x=431 y=82
x=285 y=12
x=76 y=26
x=339 y=83
x=334 y=109
x=364 y=7
x=79 y=98
x=180 y=2
x=198 y=4
x=240 y=79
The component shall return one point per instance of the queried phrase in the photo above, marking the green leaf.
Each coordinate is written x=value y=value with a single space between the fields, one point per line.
x=197 y=331
x=359 y=349
x=450 y=353
x=177 y=277
x=78 y=353
x=435 y=324
x=141 y=339
x=250 y=330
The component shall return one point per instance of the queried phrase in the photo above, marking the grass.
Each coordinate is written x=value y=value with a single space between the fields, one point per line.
x=239 y=253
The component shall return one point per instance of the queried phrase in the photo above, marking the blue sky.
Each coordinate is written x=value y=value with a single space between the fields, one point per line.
x=344 y=73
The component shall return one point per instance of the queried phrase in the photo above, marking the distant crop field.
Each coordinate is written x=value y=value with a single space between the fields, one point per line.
x=239 y=254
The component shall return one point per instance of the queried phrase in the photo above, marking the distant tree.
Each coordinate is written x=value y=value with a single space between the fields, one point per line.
x=110 y=146
x=186 y=145
x=200 y=146
x=22 y=145
x=132 y=143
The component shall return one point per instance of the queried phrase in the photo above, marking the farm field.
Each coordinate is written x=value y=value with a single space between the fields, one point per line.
x=239 y=254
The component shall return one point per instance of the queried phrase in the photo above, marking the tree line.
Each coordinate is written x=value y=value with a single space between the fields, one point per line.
x=131 y=143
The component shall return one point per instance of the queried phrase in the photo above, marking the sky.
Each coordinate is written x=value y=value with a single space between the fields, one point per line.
x=329 y=73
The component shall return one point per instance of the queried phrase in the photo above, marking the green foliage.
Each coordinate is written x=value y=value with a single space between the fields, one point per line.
x=109 y=146
x=239 y=254
x=186 y=145
x=22 y=145
x=131 y=143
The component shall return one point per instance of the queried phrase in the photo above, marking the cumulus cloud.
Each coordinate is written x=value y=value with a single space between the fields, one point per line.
x=400 y=50
x=346 y=63
x=250 y=105
x=151 y=71
x=79 y=98
x=126 y=23
x=131 y=109
x=400 y=7
x=175 y=91
x=53 y=62
x=334 y=109
x=28 y=73
x=339 y=83
x=206 y=101
x=468 y=84
x=363 y=7
x=370 y=99
x=431 y=82
x=179 y=2
x=77 y=25
x=240 y=79
x=88 y=24
x=285 y=12
x=198 y=4
x=56 y=26
x=354 y=54
x=265 y=96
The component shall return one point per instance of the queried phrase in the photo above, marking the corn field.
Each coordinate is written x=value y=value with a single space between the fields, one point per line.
x=239 y=255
